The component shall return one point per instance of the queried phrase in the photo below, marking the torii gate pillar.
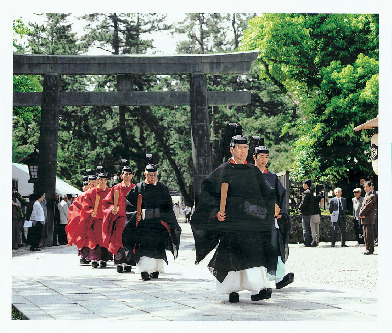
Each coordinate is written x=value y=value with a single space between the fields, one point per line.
x=48 y=141
x=201 y=147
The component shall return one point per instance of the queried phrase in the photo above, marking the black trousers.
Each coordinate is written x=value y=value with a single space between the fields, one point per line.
x=34 y=235
x=62 y=234
x=341 y=223
x=307 y=232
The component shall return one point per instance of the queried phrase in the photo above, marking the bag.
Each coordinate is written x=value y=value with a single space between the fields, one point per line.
x=27 y=224
x=335 y=216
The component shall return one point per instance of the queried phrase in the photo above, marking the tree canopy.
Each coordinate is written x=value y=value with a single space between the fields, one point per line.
x=315 y=79
x=328 y=65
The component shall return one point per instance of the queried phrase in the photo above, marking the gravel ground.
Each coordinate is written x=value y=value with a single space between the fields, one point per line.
x=345 y=267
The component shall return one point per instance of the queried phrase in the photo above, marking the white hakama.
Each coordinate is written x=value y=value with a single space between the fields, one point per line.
x=253 y=279
x=150 y=265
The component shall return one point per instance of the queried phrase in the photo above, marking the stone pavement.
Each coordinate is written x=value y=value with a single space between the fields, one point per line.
x=51 y=285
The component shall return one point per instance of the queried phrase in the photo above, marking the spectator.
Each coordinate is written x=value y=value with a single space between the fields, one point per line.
x=38 y=221
x=306 y=209
x=357 y=203
x=187 y=211
x=337 y=208
x=29 y=210
x=44 y=229
x=69 y=202
x=56 y=221
x=16 y=222
x=375 y=215
x=63 y=211
x=315 y=219
x=367 y=215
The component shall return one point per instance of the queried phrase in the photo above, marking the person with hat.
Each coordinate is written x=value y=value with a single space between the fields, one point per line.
x=282 y=226
x=90 y=226
x=71 y=228
x=114 y=219
x=235 y=216
x=357 y=204
x=154 y=224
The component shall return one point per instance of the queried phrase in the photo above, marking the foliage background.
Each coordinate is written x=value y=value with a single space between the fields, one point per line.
x=315 y=79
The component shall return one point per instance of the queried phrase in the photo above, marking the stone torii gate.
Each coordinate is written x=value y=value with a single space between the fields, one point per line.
x=51 y=99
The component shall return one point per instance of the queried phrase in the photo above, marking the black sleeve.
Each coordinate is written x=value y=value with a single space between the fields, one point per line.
x=131 y=198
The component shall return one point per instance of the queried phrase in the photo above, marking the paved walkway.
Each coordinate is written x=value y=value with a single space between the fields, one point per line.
x=51 y=285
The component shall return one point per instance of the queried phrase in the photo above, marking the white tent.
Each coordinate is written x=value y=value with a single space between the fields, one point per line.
x=20 y=173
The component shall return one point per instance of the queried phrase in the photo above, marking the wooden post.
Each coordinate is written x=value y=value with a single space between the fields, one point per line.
x=201 y=147
x=47 y=164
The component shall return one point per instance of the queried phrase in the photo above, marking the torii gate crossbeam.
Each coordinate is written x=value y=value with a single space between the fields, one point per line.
x=51 y=99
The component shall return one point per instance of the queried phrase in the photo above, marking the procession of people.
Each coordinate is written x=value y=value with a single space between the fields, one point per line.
x=241 y=216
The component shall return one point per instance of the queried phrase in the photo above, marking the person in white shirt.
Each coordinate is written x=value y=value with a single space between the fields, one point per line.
x=38 y=220
x=63 y=210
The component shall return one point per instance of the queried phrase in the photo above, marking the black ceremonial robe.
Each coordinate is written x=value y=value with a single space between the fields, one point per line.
x=280 y=236
x=243 y=240
x=152 y=237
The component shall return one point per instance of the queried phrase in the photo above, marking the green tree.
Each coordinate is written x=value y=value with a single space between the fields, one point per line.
x=269 y=107
x=25 y=121
x=328 y=65
x=53 y=36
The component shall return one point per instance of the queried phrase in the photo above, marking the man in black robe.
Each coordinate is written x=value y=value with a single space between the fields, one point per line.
x=242 y=233
x=156 y=229
x=282 y=227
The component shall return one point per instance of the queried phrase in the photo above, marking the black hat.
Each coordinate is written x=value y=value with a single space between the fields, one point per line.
x=240 y=139
x=261 y=150
x=151 y=167
x=99 y=169
x=85 y=178
x=85 y=183
x=125 y=167
x=92 y=177
x=90 y=172
x=102 y=175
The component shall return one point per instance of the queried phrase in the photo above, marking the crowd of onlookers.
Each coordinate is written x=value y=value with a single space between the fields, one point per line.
x=365 y=215
x=29 y=220
x=179 y=208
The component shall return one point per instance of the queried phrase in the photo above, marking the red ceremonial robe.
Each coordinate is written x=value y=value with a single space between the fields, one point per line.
x=113 y=225
x=74 y=219
x=90 y=228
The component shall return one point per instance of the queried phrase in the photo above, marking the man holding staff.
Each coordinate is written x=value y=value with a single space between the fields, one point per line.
x=235 y=214
x=114 y=219
x=90 y=227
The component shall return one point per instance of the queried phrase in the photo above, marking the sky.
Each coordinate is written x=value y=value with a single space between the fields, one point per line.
x=164 y=41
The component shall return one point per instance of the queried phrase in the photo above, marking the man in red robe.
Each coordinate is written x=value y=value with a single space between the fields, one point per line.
x=73 y=224
x=90 y=226
x=114 y=217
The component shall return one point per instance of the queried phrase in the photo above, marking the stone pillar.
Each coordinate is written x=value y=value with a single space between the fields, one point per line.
x=201 y=147
x=48 y=140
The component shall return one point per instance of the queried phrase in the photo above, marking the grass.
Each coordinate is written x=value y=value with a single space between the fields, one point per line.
x=17 y=315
